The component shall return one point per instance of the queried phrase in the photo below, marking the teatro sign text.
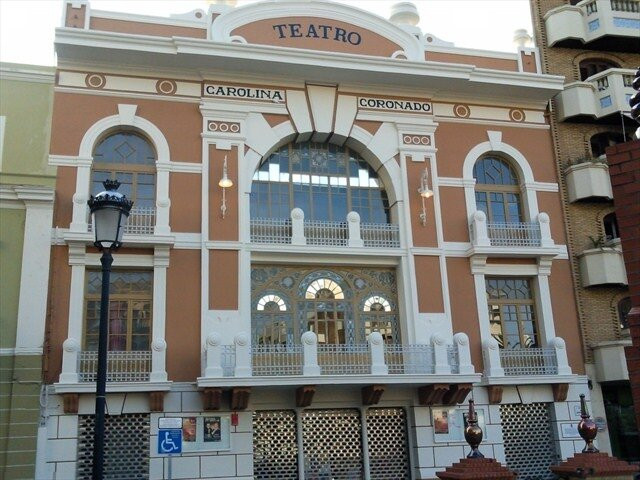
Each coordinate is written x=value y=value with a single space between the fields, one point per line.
x=326 y=32
x=234 y=91
x=394 y=104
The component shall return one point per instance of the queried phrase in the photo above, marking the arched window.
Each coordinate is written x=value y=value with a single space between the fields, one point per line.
x=324 y=180
x=610 y=223
x=497 y=190
x=272 y=321
x=325 y=312
x=624 y=307
x=592 y=66
x=378 y=316
x=128 y=157
x=600 y=142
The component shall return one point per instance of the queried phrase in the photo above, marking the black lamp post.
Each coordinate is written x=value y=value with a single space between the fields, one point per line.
x=110 y=210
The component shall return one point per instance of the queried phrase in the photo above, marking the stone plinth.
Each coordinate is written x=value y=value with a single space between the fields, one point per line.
x=477 y=469
x=595 y=466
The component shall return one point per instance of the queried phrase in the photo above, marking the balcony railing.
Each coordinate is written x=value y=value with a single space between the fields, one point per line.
x=311 y=359
x=610 y=23
x=121 y=366
x=298 y=231
x=141 y=221
x=525 y=362
x=529 y=361
x=517 y=234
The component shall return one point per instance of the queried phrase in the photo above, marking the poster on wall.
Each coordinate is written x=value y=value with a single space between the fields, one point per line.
x=206 y=433
x=449 y=424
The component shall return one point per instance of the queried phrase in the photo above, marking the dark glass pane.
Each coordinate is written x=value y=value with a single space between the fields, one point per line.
x=125 y=147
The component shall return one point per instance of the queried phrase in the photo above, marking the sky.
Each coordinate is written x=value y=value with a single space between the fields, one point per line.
x=27 y=26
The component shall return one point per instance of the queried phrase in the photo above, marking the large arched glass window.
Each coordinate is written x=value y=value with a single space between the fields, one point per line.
x=324 y=180
x=272 y=321
x=325 y=312
x=497 y=190
x=378 y=315
x=129 y=158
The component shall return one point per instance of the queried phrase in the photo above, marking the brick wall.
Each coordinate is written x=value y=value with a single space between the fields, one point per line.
x=624 y=169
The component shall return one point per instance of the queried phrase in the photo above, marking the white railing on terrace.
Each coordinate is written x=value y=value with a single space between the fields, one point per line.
x=529 y=361
x=141 y=221
x=344 y=359
x=521 y=234
x=326 y=233
x=625 y=6
x=270 y=230
x=380 y=235
x=132 y=366
x=311 y=359
x=276 y=360
x=409 y=359
x=549 y=360
x=298 y=231
x=591 y=7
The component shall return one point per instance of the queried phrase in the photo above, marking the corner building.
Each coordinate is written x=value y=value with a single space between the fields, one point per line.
x=343 y=229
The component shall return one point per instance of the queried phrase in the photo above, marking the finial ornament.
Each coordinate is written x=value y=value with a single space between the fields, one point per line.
x=473 y=433
x=587 y=428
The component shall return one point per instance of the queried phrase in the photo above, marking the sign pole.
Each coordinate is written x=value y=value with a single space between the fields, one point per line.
x=169 y=469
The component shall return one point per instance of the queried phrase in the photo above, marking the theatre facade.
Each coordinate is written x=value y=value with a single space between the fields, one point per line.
x=343 y=229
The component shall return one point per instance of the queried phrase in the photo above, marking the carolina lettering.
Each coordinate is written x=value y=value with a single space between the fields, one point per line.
x=244 y=92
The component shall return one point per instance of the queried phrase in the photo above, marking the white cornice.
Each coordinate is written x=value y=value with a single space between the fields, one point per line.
x=207 y=57
x=169 y=21
x=471 y=52
x=27 y=73
x=26 y=194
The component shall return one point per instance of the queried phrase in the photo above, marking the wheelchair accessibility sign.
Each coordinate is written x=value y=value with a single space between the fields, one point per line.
x=169 y=439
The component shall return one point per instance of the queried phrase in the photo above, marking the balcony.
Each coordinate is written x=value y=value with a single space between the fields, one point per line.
x=610 y=25
x=330 y=363
x=588 y=179
x=602 y=266
x=525 y=365
x=121 y=366
x=298 y=231
x=141 y=221
x=602 y=96
x=517 y=238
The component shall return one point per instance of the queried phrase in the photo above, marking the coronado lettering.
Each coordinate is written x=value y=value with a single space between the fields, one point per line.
x=387 y=104
x=327 y=32
x=244 y=92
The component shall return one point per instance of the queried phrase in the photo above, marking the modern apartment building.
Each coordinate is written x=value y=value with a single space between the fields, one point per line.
x=26 y=212
x=595 y=44
x=343 y=228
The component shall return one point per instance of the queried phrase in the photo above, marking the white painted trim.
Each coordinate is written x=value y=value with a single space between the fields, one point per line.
x=27 y=73
x=3 y=123
x=10 y=352
x=112 y=387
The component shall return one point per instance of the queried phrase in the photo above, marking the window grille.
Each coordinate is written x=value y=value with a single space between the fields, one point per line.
x=228 y=360
x=387 y=443
x=275 y=448
x=409 y=359
x=380 y=235
x=276 y=359
x=332 y=444
x=529 y=361
x=126 y=446
x=335 y=359
x=521 y=234
x=528 y=441
x=270 y=230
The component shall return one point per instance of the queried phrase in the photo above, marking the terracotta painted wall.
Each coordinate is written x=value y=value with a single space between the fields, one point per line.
x=185 y=192
x=143 y=28
x=463 y=306
x=223 y=280
x=482 y=62
x=565 y=314
x=65 y=188
x=428 y=284
x=183 y=316
x=454 y=214
x=550 y=202
x=58 y=319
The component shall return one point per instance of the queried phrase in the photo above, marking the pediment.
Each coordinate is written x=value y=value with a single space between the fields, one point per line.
x=318 y=25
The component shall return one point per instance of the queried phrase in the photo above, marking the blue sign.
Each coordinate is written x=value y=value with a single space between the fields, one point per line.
x=169 y=441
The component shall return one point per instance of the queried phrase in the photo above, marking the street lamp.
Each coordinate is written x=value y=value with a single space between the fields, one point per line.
x=110 y=210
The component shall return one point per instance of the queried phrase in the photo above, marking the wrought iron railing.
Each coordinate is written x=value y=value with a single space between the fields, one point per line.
x=529 y=361
x=344 y=359
x=133 y=366
x=380 y=235
x=520 y=234
x=409 y=359
x=270 y=230
x=228 y=360
x=272 y=360
x=632 y=6
x=326 y=233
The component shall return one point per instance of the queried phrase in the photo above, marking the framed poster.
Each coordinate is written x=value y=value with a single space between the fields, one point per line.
x=449 y=424
x=202 y=433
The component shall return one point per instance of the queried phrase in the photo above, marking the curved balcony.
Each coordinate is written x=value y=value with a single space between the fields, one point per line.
x=602 y=266
x=598 y=97
x=588 y=180
x=610 y=25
